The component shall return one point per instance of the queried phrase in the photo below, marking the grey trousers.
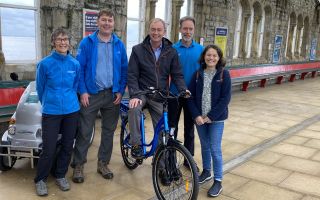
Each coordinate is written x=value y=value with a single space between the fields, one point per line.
x=102 y=101
x=134 y=117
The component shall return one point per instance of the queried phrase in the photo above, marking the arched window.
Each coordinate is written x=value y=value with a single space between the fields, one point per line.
x=291 y=36
x=258 y=26
x=19 y=30
x=163 y=11
x=267 y=32
x=305 y=38
x=237 y=32
x=299 y=35
x=135 y=23
x=243 y=30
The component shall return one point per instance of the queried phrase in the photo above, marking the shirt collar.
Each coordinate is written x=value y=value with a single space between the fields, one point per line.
x=157 y=49
x=180 y=44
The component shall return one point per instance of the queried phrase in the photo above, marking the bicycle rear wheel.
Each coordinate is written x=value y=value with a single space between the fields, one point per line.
x=128 y=160
x=171 y=178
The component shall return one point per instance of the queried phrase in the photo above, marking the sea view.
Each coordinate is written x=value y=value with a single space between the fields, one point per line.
x=18 y=48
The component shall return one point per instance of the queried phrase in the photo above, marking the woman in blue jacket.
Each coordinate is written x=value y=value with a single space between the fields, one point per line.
x=211 y=89
x=57 y=82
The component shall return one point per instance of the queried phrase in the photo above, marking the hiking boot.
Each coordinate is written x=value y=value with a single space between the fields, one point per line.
x=63 y=184
x=215 y=189
x=164 y=178
x=41 y=188
x=205 y=176
x=104 y=170
x=137 y=152
x=78 y=176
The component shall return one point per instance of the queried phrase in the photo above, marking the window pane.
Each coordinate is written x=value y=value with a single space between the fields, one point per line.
x=133 y=8
x=18 y=34
x=184 y=9
x=19 y=2
x=132 y=35
x=160 y=9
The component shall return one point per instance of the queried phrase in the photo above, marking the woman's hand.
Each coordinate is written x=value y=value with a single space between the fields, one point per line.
x=207 y=120
x=199 y=120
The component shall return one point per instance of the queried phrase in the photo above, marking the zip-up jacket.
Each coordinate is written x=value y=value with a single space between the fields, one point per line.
x=144 y=71
x=57 y=82
x=189 y=60
x=88 y=57
x=220 y=95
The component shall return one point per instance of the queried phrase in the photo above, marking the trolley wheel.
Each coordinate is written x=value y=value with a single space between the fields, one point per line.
x=4 y=160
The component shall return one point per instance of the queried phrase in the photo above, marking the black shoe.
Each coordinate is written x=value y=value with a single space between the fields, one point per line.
x=137 y=152
x=164 y=178
x=215 y=189
x=186 y=164
x=205 y=176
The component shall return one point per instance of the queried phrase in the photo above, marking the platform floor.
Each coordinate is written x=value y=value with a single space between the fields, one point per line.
x=271 y=149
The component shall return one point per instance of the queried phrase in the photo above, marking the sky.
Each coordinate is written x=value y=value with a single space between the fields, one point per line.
x=17 y=22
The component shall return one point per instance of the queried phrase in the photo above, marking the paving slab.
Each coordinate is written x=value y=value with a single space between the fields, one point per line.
x=260 y=191
x=306 y=184
x=299 y=165
x=293 y=150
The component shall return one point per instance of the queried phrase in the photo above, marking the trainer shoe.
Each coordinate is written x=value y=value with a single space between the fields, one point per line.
x=137 y=152
x=41 y=188
x=78 y=176
x=104 y=170
x=205 y=176
x=63 y=184
x=215 y=189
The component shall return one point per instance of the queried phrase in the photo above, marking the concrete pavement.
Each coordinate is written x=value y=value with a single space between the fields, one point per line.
x=271 y=149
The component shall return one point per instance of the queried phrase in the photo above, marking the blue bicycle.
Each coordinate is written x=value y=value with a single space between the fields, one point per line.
x=171 y=159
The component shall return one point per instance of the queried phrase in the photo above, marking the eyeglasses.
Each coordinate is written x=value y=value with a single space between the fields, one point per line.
x=60 y=40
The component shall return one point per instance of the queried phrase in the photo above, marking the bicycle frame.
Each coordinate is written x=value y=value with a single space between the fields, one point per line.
x=162 y=125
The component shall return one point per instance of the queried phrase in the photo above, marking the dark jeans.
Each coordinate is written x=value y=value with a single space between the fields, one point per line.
x=52 y=125
x=175 y=109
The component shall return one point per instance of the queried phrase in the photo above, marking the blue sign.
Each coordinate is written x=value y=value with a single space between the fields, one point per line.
x=221 y=31
x=313 y=49
x=277 y=48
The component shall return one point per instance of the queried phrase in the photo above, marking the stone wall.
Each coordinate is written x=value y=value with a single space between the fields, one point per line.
x=210 y=14
x=69 y=14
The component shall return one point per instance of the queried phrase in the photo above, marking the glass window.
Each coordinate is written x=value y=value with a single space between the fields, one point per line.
x=184 y=9
x=19 y=30
x=19 y=2
x=135 y=23
x=134 y=6
x=18 y=34
x=161 y=9
x=132 y=35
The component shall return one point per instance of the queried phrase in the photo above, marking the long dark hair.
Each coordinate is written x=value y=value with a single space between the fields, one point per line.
x=221 y=63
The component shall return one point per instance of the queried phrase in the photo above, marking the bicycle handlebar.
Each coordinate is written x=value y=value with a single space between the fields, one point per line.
x=165 y=94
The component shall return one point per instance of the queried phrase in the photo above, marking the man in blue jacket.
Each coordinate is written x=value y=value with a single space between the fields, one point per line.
x=103 y=79
x=189 y=53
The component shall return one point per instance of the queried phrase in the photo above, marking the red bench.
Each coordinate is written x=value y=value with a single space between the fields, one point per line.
x=245 y=76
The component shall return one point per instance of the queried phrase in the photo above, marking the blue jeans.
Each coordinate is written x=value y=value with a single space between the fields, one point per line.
x=210 y=135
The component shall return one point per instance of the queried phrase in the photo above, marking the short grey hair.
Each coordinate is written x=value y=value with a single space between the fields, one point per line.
x=187 y=18
x=57 y=32
x=158 y=20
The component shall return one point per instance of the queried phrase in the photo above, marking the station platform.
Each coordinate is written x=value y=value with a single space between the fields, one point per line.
x=271 y=149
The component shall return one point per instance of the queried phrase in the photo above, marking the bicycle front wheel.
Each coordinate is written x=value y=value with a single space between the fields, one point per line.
x=174 y=173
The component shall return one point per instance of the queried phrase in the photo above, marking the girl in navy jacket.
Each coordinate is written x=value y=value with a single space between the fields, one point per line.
x=211 y=90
